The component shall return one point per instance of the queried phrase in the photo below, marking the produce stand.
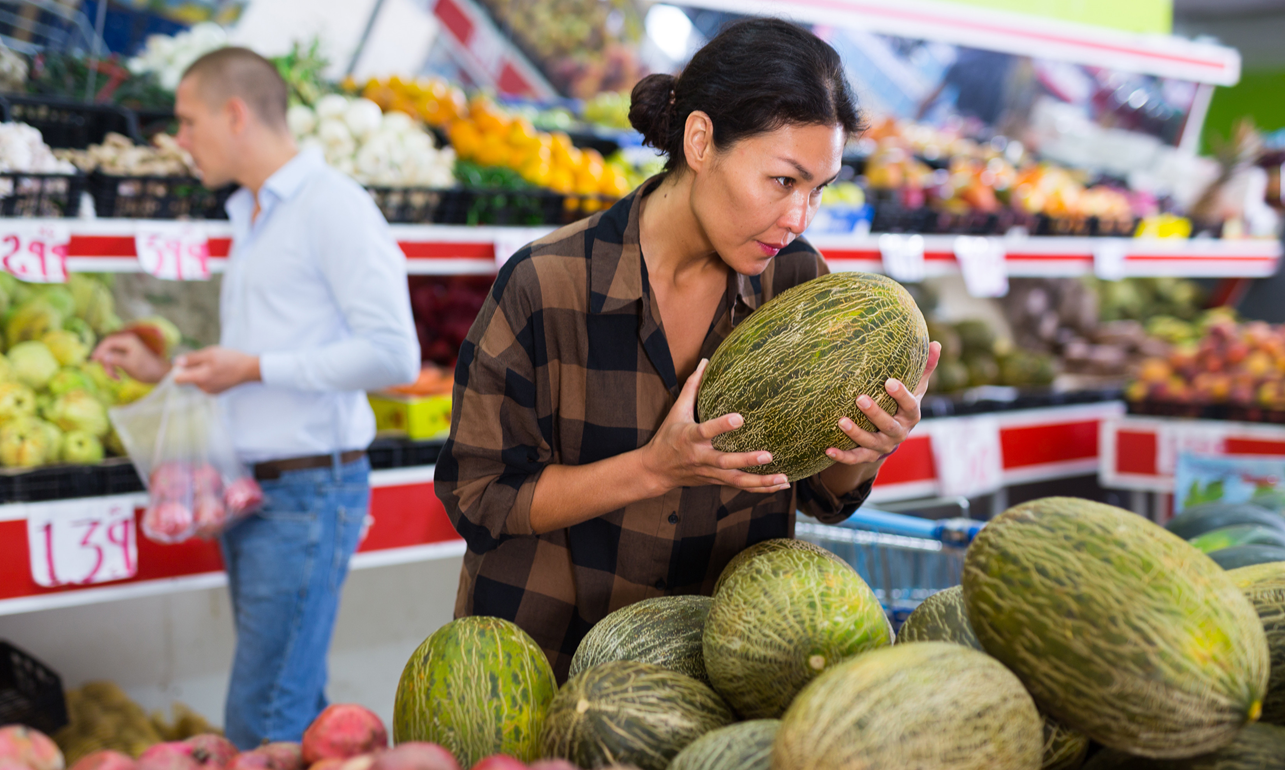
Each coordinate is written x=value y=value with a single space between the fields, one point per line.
x=1140 y=453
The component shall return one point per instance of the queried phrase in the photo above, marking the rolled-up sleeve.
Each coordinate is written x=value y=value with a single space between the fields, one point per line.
x=498 y=446
x=825 y=506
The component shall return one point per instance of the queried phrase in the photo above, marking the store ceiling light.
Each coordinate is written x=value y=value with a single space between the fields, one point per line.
x=671 y=30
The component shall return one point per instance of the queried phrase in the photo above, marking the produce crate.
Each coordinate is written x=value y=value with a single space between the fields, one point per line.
x=531 y=208
x=115 y=476
x=156 y=197
x=904 y=559
x=30 y=692
x=40 y=195
x=419 y=417
x=65 y=123
x=408 y=205
x=388 y=453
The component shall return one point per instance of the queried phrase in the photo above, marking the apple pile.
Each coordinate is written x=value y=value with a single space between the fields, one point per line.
x=191 y=499
x=1240 y=364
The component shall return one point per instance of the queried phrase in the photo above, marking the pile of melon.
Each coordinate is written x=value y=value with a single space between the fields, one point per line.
x=1083 y=636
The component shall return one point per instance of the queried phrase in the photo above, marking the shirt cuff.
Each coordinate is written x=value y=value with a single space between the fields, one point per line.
x=816 y=500
x=518 y=522
x=279 y=369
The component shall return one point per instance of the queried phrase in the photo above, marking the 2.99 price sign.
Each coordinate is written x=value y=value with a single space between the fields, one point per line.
x=34 y=252
x=79 y=542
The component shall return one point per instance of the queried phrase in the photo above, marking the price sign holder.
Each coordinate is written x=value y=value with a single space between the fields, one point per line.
x=509 y=240
x=1109 y=255
x=982 y=261
x=173 y=251
x=1175 y=439
x=82 y=541
x=34 y=251
x=968 y=456
x=903 y=256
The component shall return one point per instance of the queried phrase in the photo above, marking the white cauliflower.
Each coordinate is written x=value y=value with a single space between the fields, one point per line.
x=301 y=120
x=362 y=117
x=331 y=106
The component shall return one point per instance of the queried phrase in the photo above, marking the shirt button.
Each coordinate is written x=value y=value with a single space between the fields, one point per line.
x=660 y=585
x=673 y=518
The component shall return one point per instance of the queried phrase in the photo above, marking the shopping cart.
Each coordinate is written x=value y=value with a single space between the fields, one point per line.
x=905 y=559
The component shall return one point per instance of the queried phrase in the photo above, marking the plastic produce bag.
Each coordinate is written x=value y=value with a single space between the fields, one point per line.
x=179 y=442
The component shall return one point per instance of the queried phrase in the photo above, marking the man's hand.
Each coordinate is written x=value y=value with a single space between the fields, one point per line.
x=125 y=352
x=216 y=369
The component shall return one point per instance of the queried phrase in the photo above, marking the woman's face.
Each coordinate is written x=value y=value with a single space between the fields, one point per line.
x=757 y=196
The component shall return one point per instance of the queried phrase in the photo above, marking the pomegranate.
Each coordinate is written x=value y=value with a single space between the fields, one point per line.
x=342 y=731
x=28 y=746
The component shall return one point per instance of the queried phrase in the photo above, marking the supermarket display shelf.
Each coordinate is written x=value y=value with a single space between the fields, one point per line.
x=107 y=245
x=410 y=525
x=1140 y=453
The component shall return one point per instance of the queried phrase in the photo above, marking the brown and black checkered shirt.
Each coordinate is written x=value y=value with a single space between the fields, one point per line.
x=567 y=363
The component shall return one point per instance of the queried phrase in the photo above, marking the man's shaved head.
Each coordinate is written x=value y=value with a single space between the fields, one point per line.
x=239 y=72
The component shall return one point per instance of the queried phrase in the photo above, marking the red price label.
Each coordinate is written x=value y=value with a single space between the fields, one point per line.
x=174 y=251
x=35 y=252
x=80 y=542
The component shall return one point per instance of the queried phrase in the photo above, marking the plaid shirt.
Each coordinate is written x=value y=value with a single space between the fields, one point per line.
x=567 y=363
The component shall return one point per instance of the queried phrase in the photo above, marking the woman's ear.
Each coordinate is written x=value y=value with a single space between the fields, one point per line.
x=698 y=140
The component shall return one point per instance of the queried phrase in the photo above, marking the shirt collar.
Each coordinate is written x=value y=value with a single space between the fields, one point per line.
x=616 y=268
x=284 y=183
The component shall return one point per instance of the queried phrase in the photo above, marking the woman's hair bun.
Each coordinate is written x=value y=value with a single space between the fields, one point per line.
x=651 y=109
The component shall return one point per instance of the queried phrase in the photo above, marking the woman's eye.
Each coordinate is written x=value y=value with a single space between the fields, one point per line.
x=784 y=181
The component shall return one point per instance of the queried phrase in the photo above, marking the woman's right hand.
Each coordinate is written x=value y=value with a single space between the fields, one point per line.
x=681 y=455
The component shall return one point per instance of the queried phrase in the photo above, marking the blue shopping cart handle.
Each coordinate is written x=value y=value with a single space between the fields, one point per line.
x=892 y=523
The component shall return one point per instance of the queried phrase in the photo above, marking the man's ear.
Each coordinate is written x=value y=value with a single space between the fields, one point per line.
x=238 y=114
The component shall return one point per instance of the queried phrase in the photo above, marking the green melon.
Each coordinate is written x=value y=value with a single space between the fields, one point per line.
x=942 y=617
x=1264 y=585
x=1238 y=535
x=478 y=686
x=630 y=713
x=1120 y=629
x=1239 y=556
x=921 y=705
x=767 y=546
x=665 y=630
x=742 y=746
x=798 y=363
x=1257 y=747
x=1199 y=519
x=780 y=620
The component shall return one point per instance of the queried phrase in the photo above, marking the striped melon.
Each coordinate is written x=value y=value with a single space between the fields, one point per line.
x=665 y=630
x=798 y=363
x=1199 y=519
x=1120 y=629
x=1264 y=584
x=630 y=713
x=742 y=746
x=1257 y=747
x=478 y=686
x=780 y=620
x=1238 y=556
x=921 y=705
x=766 y=546
x=942 y=617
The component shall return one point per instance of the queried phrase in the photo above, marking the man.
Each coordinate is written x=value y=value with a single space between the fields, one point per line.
x=314 y=312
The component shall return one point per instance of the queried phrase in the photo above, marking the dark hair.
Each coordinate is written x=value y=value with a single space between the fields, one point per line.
x=755 y=76
x=227 y=72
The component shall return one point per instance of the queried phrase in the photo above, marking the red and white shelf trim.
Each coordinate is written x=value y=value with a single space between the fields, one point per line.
x=107 y=245
x=1140 y=453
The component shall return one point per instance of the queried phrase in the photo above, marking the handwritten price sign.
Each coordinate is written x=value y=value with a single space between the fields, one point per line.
x=174 y=251
x=981 y=260
x=968 y=456
x=35 y=252
x=903 y=256
x=79 y=542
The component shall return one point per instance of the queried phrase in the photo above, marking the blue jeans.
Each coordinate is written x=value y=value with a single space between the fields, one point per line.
x=286 y=565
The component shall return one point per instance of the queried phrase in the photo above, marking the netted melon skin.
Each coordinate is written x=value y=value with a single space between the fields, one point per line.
x=767 y=546
x=742 y=746
x=1264 y=586
x=919 y=706
x=664 y=630
x=1257 y=747
x=1119 y=629
x=797 y=364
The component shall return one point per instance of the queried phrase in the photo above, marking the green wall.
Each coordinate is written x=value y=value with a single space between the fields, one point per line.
x=1259 y=94
x=1127 y=15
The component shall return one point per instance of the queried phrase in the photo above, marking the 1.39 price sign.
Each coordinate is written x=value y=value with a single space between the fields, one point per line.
x=78 y=542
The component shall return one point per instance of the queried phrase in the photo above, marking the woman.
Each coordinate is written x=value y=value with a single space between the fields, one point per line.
x=575 y=470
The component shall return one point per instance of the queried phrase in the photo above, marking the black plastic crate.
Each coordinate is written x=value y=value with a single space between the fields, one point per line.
x=401 y=453
x=61 y=482
x=469 y=206
x=40 y=195
x=65 y=123
x=408 y=205
x=154 y=120
x=30 y=692
x=156 y=197
x=892 y=218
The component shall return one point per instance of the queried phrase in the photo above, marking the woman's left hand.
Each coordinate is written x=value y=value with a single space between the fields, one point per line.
x=893 y=429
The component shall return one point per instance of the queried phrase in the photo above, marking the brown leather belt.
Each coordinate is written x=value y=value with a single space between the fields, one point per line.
x=272 y=470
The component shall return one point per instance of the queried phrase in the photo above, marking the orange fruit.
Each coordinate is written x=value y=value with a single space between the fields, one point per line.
x=614 y=184
x=561 y=180
x=522 y=133
x=492 y=152
x=464 y=138
x=537 y=171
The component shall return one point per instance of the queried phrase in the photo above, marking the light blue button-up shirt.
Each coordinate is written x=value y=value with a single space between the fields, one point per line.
x=316 y=287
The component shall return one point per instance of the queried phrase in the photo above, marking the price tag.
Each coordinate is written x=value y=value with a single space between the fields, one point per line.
x=968 y=457
x=903 y=256
x=79 y=542
x=1109 y=256
x=174 y=251
x=982 y=261
x=1175 y=439
x=509 y=240
x=33 y=251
